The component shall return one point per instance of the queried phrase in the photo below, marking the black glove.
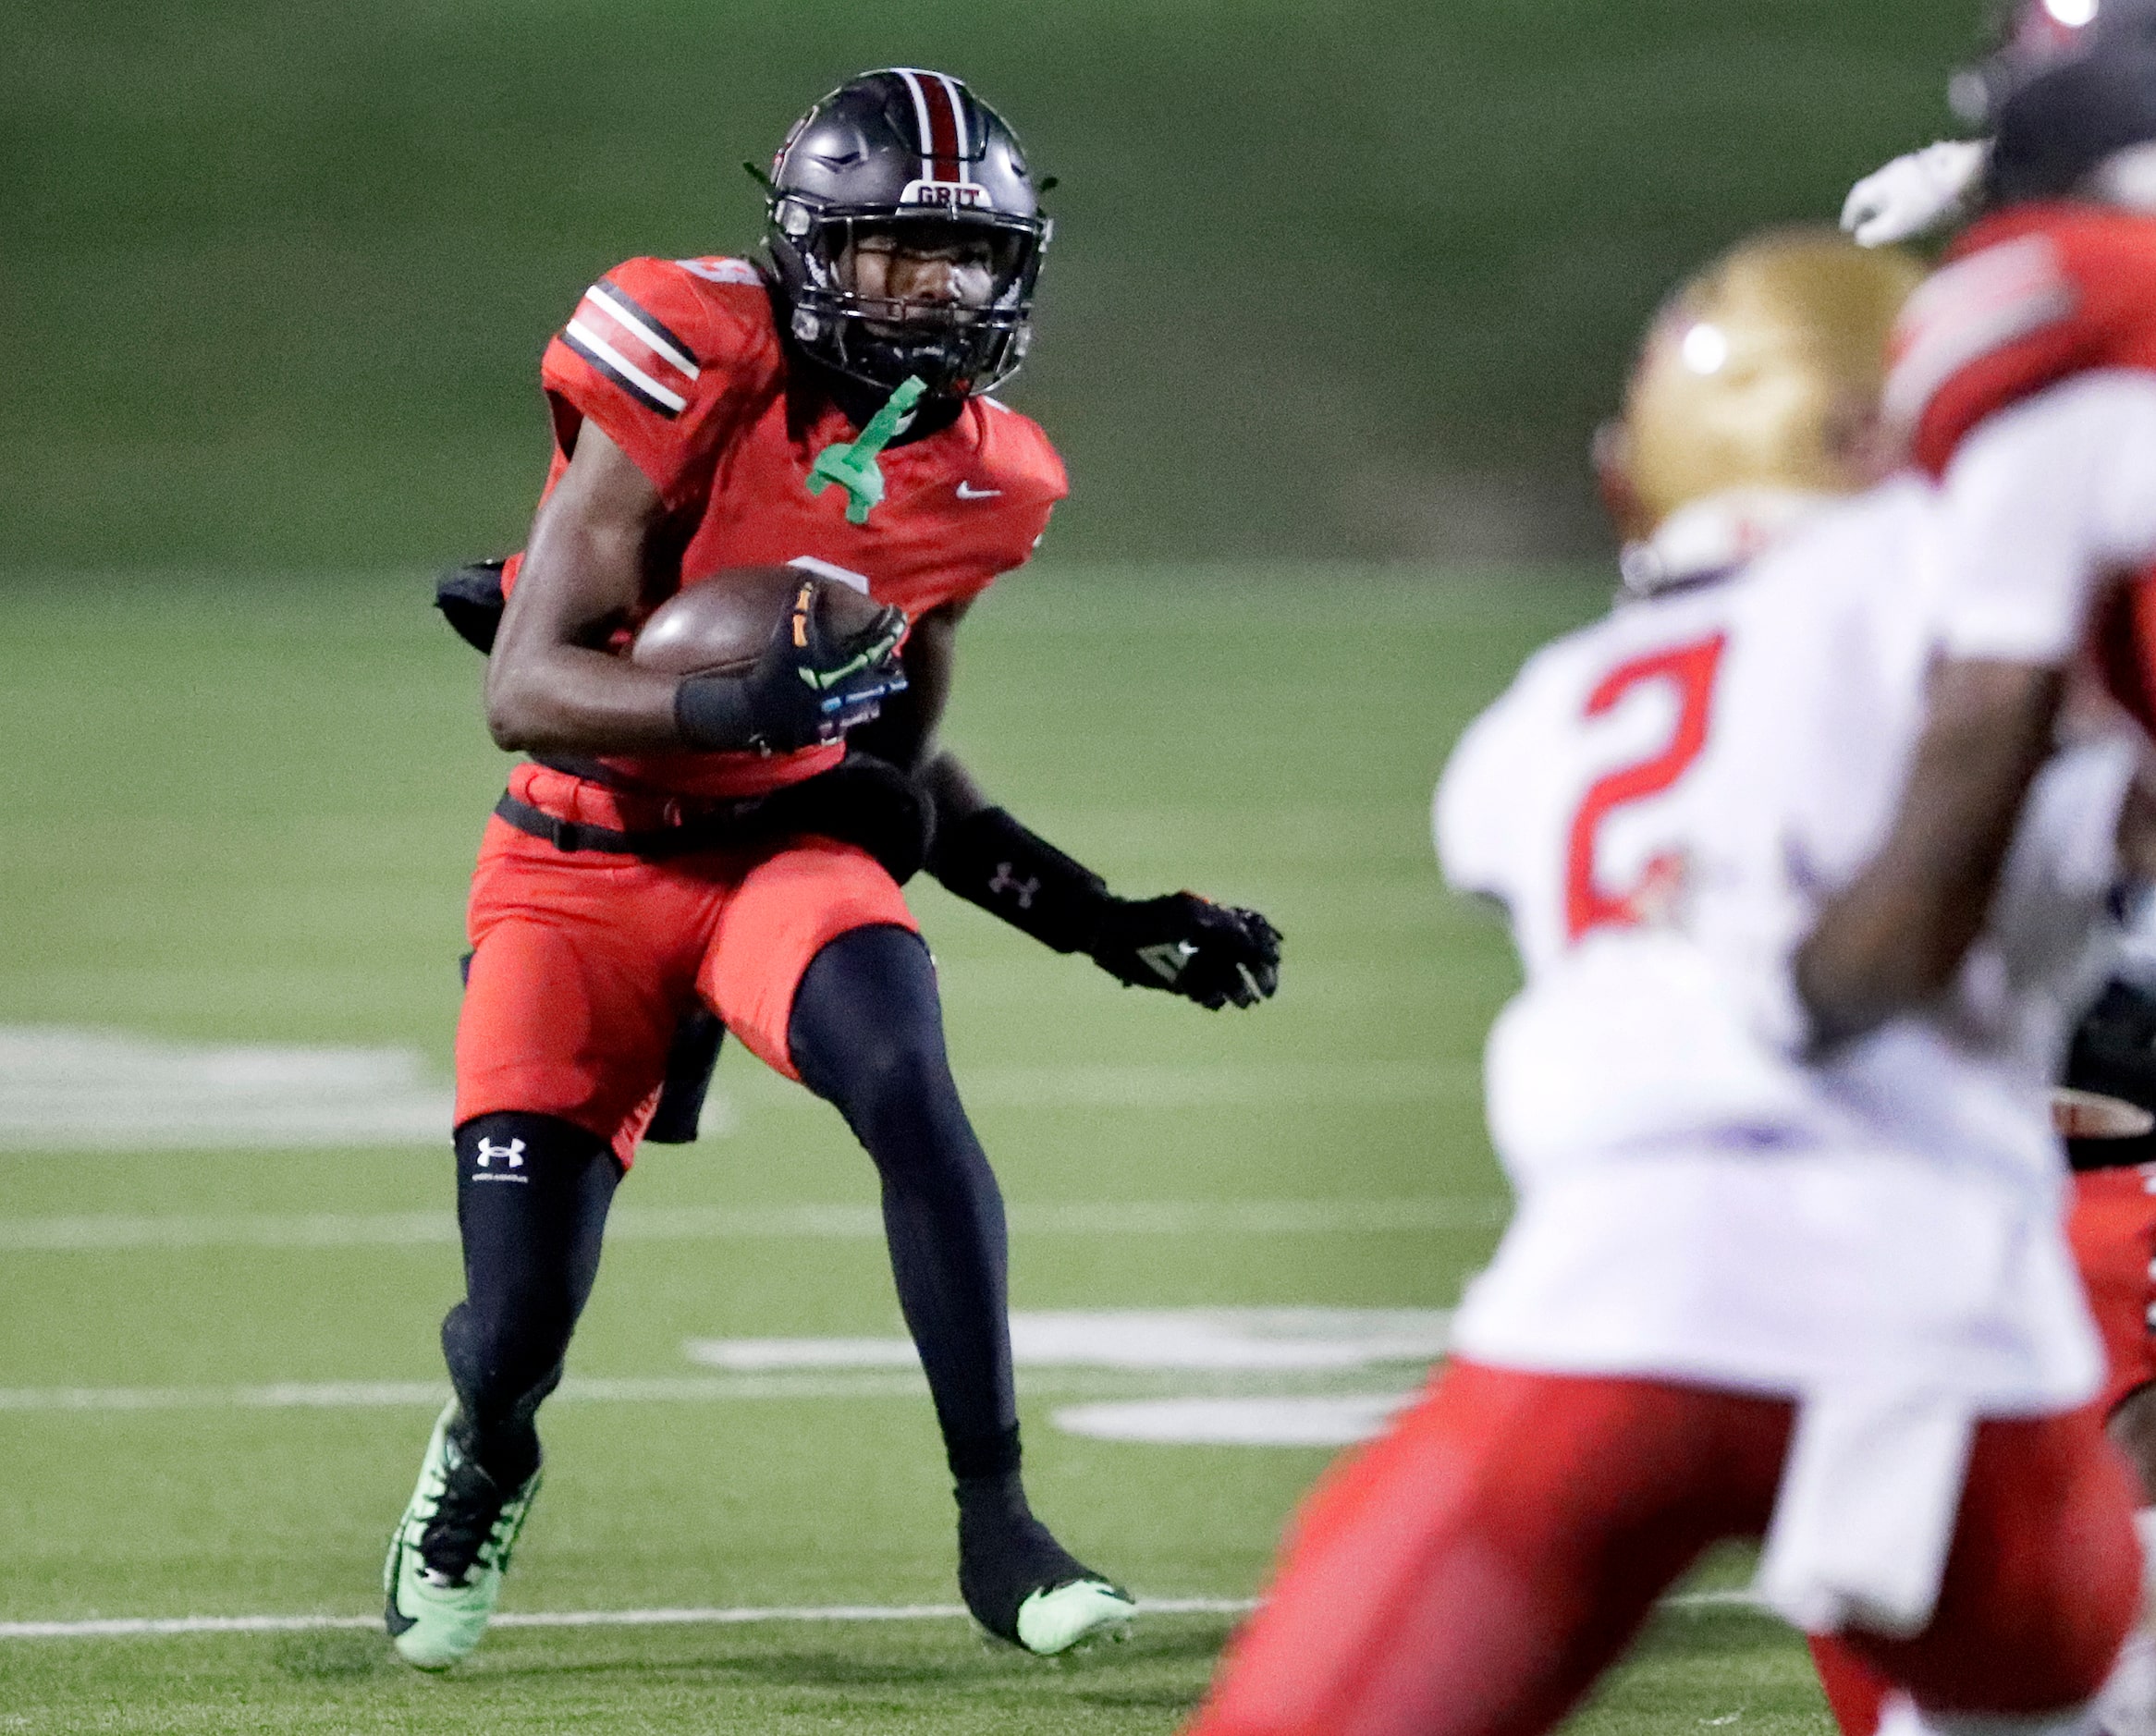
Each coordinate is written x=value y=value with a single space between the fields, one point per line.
x=470 y=600
x=1210 y=953
x=1214 y=954
x=807 y=688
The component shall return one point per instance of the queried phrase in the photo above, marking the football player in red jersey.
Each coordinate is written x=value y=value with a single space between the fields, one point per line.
x=722 y=842
x=2026 y=376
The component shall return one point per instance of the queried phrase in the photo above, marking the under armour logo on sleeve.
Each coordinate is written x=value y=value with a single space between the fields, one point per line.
x=1006 y=880
x=513 y=1151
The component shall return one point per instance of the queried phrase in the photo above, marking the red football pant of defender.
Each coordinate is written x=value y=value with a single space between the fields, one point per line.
x=1856 y=1693
x=1476 y=1570
x=2113 y=1228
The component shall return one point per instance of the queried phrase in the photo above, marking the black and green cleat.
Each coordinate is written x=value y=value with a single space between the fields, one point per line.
x=448 y=1553
x=1021 y=1584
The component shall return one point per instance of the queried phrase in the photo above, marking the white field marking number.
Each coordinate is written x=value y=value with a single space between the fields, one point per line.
x=68 y=1090
x=1253 y=1353
x=65 y=1090
x=1217 y=1340
x=1213 y=1342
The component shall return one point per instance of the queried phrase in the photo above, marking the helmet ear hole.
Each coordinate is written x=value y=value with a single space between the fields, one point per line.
x=1611 y=452
x=1855 y=439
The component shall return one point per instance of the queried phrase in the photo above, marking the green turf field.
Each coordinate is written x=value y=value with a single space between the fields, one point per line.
x=241 y=811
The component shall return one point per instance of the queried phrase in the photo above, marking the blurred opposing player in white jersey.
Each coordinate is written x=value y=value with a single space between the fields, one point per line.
x=1744 y=1294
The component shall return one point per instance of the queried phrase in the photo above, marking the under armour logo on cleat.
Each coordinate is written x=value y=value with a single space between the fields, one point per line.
x=1006 y=880
x=513 y=1151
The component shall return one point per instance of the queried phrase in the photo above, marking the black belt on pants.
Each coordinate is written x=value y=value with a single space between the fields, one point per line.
x=862 y=800
x=717 y=831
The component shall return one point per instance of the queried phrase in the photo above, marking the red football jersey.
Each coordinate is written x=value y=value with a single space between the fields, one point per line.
x=2026 y=300
x=680 y=361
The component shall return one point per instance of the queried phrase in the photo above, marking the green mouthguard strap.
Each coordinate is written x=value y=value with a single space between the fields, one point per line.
x=852 y=463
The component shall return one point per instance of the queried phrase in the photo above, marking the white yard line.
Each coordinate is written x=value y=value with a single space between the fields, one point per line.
x=129 y=1232
x=154 y=1626
x=140 y=1627
x=359 y=1395
x=67 y=1090
x=1182 y=1085
x=1057 y=1383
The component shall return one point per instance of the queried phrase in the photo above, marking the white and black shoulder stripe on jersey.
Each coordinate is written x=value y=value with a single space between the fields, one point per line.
x=632 y=347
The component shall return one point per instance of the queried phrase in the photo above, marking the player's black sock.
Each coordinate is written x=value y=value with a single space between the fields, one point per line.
x=866 y=1034
x=1005 y=1554
x=532 y=1198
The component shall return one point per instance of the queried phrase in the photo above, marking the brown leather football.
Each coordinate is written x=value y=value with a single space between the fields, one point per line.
x=721 y=624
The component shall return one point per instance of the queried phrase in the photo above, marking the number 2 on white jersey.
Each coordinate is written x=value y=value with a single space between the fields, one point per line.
x=1691 y=670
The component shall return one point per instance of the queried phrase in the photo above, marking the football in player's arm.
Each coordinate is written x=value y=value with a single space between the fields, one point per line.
x=730 y=844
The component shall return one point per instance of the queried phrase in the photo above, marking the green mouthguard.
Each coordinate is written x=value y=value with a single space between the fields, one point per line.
x=852 y=463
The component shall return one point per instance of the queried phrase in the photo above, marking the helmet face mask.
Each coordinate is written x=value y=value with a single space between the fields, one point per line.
x=913 y=163
x=2069 y=84
x=2025 y=39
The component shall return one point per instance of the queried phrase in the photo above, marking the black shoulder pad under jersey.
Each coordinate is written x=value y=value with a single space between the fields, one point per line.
x=470 y=600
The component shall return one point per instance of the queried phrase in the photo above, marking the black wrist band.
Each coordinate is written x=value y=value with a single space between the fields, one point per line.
x=988 y=858
x=712 y=714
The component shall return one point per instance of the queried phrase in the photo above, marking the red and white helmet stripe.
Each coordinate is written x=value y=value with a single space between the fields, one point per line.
x=940 y=107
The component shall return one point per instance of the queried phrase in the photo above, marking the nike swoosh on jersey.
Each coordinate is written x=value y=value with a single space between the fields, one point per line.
x=966 y=491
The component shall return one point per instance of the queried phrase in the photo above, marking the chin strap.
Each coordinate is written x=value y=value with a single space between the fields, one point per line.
x=852 y=463
x=1714 y=534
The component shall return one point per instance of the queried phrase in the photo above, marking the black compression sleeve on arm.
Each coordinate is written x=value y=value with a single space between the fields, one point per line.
x=988 y=858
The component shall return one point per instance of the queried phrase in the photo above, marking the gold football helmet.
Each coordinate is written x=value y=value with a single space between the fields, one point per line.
x=1762 y=372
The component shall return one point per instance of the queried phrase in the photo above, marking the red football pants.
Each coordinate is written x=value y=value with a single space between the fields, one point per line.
x=584 y=963
x=2112 y=1225
x=1472 y=1573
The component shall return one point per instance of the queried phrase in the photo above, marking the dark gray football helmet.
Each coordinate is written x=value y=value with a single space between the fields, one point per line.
x=2068 y=83
x=899 y=150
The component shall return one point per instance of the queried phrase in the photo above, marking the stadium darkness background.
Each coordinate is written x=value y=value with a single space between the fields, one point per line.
x=1352 y=280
